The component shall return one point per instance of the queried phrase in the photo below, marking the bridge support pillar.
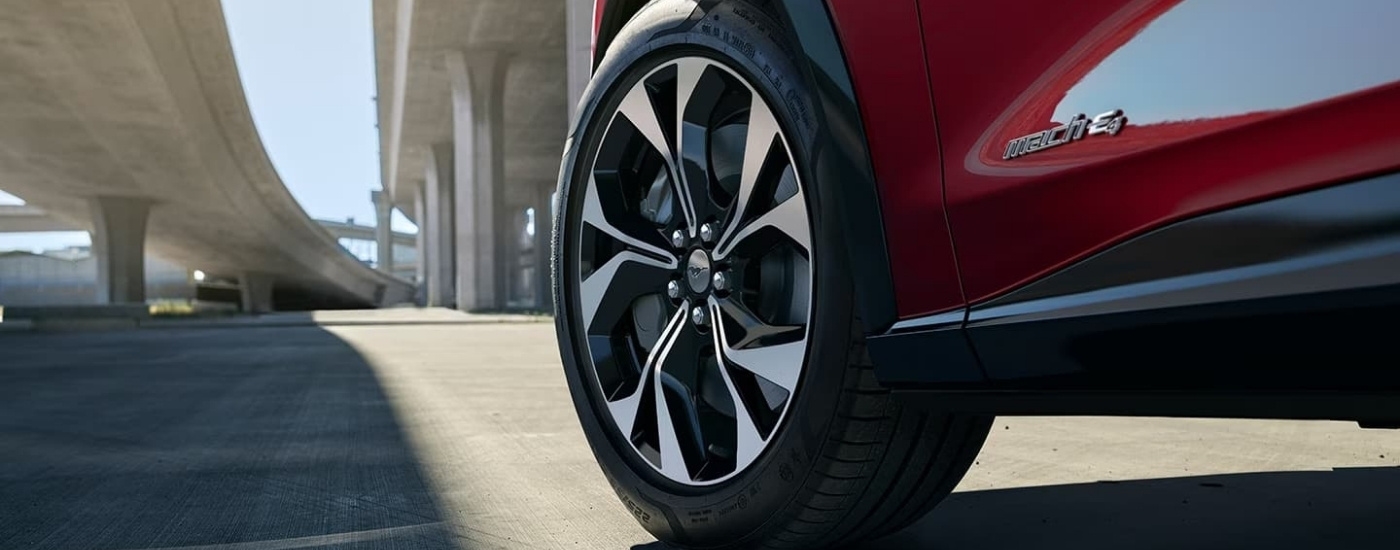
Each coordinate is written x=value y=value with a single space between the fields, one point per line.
x=478 y=111
x=255 y=292
x=383 y=233
x=439 y=224
x=512 y=270
x=420 y=243
x=119 y=246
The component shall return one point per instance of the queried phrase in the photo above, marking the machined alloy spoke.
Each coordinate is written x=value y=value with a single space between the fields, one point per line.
x=755 y=329
x=672 y=348
x=788 y=217
x=688 y=73
x=748 y=441
x=639 y=110
x=620 y=280
x=593 y=215
x=762 y=130
x=691 y=146
x=780 y=364
x=624 y=410
x=625 y=276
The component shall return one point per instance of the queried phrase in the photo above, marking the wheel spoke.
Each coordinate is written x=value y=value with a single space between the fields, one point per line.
x=612 y=287
x=624 y=410
x=638 y=110
x=748 y=442
x=692 y=146
x=643 y=268
x=780 y=364
x=788 y=217
x=762 y=130
x=755 y=329
x=594 y=215
x=673 y=347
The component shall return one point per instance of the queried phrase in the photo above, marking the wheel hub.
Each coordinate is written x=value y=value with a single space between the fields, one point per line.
x=697 y=271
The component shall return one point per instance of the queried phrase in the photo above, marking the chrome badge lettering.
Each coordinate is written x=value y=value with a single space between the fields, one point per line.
x=1077 y=128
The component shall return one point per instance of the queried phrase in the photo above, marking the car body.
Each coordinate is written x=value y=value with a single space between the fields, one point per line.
x=1257 y=135
x=805 y=250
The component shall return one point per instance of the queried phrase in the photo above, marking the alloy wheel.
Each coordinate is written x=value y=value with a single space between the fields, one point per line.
x=693 y=278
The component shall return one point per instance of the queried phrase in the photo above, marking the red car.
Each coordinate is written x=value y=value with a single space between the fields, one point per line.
x=804 y=250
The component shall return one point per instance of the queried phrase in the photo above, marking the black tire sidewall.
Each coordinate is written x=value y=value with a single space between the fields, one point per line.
x=751 y=43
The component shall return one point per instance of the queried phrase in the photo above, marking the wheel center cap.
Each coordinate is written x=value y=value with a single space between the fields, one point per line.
x=697 y=271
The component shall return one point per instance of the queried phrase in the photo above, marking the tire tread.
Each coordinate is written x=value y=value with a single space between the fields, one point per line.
x=875 y=443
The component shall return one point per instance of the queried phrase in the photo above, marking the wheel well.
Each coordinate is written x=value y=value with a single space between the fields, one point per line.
x=616 y=13
x=813 y=32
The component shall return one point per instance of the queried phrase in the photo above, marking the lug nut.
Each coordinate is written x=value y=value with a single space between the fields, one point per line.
x=673 y=289
x=678 y=239
x=707 y=233
x=698 y=317
x=720 y=281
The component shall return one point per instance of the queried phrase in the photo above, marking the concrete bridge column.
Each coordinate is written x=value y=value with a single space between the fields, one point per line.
x=420 y=241
x=119 y=246
x=255 y=292
x=440 y=226
x=518 y=287
x=478 y=112
x=383 y=233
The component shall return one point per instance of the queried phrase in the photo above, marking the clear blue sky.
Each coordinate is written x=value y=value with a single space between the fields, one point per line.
x=308 y=70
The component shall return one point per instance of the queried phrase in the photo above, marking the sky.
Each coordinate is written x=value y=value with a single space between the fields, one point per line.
x=308 y=73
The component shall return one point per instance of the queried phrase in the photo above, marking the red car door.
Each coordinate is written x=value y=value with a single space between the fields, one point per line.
x=1157 y=110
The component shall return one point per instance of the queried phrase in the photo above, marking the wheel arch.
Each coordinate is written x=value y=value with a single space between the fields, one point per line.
x=609 y=16
x=842 y=167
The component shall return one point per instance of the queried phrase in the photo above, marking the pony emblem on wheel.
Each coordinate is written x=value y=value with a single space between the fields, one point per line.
x=1109 y=123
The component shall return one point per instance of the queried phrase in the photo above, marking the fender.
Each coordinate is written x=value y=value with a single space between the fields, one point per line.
x=841 y=160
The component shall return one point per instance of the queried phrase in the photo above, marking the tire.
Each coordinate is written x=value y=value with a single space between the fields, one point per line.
x=844 y=461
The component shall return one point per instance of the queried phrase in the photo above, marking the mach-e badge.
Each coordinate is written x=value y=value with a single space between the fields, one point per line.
x=1109 y=123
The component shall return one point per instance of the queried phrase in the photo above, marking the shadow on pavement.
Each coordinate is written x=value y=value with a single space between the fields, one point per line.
x=256 y=438
x=1340 y=509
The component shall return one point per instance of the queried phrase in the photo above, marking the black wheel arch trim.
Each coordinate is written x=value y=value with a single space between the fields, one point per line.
x=841 y=158
x=842 y=165
x=615 y=14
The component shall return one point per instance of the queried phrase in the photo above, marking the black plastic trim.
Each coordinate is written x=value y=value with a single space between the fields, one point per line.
x=956 y=361
x=841 y=159
x=1292 y=296
x=1250 y=243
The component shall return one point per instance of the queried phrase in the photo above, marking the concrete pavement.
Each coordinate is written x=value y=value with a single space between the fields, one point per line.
x=460 y=435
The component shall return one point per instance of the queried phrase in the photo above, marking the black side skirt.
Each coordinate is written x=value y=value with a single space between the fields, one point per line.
x=1288 y=308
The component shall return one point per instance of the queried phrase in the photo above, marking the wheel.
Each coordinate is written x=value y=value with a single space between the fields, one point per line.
x=705 y=314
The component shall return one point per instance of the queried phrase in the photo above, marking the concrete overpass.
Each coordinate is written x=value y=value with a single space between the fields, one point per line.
x=128 y=117
x=473 y=110
x=396 y=251
x=348 y=230
x=21 y=218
